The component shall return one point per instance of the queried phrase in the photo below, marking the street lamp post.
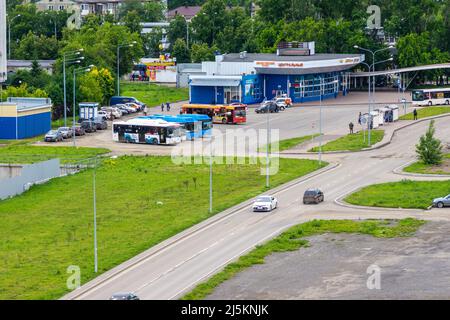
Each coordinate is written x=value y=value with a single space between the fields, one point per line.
x=75 y=72
x=267 y=149
x=372 y=68
x=71 y=60
x=320 y=122
x=129 y=45
x=95 y=215
x=9 y=35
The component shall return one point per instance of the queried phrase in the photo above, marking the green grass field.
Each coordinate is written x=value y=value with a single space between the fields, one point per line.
x=288 y=143
x=141 y=201
x=293 y=239
x=21 y=153
x=426 y=112
x=351 y=142
x=152 y=94
x=402 y=194
x=21 y=141
x=420 y=167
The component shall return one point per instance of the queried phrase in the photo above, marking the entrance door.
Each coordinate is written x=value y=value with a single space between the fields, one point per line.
x=227 y=96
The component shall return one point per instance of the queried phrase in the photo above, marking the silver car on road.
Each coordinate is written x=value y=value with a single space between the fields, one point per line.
x=442 y=202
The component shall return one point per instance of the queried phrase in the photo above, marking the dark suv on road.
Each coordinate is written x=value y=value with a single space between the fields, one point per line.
x=100 y=123
x=268 y=106
x=313 y=196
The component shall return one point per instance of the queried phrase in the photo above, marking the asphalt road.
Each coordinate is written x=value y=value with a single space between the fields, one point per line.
x=170 y=269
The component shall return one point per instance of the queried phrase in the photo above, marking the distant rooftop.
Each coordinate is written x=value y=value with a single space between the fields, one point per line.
x=27 y=63
x=251 y=57
x=186 y=11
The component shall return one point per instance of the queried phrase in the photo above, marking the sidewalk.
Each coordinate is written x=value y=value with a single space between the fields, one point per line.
x=389 y=131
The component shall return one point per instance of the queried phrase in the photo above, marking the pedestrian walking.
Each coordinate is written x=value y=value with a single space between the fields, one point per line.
x=162 y=107
x=168 y=106
x=350 y=126
x=415 y=114
x=359 y=118
x=145 y=111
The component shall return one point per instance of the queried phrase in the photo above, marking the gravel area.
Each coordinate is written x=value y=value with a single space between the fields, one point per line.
x=335 y=267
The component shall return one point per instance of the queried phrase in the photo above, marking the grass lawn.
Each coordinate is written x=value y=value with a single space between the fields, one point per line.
x=21 y=153
x=402 y=194
x=141 y=201
x=293 y=239
x=20 y=142
x=420 y=167
x=352 y=142
x=288 y=143
x=426 y=112
x=152 y=94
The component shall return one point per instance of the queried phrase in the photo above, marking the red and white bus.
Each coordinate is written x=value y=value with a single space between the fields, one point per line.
x=225 y=114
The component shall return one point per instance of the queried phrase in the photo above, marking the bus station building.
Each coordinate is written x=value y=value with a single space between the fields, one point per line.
x=22 y=118
x=295 y=70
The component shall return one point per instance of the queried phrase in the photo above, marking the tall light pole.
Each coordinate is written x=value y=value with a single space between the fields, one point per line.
x=75 y=72
x=74 y=59
x=267 y=149
x=129 y=45
x=9 y=35
x=373 y=63
x=369 y=116
x=95 y=216
x=210 y=174
x=320 y=122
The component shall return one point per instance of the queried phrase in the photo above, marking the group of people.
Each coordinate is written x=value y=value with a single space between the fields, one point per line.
x=167 y=105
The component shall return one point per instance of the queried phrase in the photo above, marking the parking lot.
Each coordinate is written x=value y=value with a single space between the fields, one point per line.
x=334 y=266
x=300 y=120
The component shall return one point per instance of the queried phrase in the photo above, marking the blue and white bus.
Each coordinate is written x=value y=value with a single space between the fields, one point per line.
x=150 y=131
x=205 y=119
x=431 y=97
x=192 y=128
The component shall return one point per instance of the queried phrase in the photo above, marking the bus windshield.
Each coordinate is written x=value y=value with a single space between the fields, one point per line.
x=417 y=96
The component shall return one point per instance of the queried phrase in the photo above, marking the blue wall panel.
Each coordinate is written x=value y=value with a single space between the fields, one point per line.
x=252 y=89
x=7 y=127
x=202 y=94
x=34 y=125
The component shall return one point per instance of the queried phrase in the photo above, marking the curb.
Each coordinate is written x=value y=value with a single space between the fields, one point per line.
x=399 y=171
x=375 y=147
x=340 y=202
x=115 y=271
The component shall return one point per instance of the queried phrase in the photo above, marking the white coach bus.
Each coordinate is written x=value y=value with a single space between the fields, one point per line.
x=431 y=97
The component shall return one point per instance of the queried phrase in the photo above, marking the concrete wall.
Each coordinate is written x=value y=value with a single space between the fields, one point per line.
x=30 y=174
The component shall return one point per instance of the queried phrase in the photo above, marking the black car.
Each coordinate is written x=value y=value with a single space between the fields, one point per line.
x=100 y=123
x=124 y=296
x=313 y=196
x=89 y=126
x=268 y=106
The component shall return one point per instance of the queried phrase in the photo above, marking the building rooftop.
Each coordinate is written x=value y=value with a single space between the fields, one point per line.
x=28 y=63
x=186 y=11
x=251 y=57
x=24 y=104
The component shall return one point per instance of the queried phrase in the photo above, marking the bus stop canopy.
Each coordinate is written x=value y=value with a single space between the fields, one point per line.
x=402 y=70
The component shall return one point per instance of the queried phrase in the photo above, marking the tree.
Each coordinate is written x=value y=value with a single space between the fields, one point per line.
x=132 y=21
x=34 y=47
x=177 y=29
x=429 y=148
x=202 y=52
x=180 y=51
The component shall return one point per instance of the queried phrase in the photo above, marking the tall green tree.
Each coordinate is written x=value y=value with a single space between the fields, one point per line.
x=181 y=51
x=429 y=149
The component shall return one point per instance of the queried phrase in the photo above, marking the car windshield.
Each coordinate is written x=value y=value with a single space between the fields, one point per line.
x=52 y=132
x=263 y=199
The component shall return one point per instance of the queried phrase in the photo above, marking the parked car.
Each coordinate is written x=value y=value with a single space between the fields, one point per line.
x=89 y=126
x=124 y=110
x=100 y=123
x=268 y=106
x=66 y=132
x=124 y=296
x=53 y=136
x=125 y=107
x=105 y=114
x=442 y=202
x=265 y=203
x=79 y=131
x=283 y=103
x=313 y=196
x=123 y=100
x=134 y=105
